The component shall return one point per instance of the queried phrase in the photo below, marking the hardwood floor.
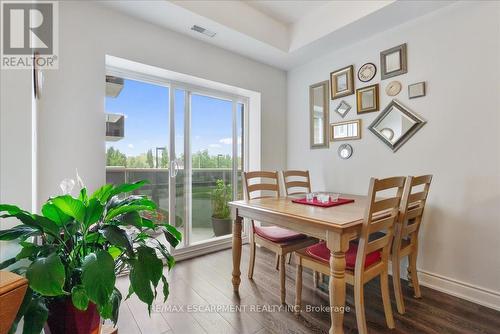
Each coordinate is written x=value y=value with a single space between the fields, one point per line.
x=201 y=298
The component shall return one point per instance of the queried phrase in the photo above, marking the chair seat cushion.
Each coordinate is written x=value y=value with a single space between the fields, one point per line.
x=277 y=234
x=320 y=252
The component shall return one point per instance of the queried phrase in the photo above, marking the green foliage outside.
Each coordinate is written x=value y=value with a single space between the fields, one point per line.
x=221 y=195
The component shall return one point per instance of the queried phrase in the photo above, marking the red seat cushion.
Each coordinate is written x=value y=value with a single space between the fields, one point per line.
x=277 y=234
x=320 y=252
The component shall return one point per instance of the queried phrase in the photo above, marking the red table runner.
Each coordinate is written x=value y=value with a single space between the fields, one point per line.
x=315 y=202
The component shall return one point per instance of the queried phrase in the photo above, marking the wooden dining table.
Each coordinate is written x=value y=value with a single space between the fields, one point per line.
x=336 y=225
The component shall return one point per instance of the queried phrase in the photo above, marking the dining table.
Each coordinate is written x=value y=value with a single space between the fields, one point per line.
x=336 y=225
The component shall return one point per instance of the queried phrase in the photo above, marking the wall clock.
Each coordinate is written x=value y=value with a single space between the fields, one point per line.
x=367 y=72
x=345 y=151
x=393 y=88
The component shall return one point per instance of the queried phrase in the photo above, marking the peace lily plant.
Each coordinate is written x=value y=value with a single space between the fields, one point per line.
x=77 y=246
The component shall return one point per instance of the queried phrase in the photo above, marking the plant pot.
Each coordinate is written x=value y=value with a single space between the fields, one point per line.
x=221 y=226
x=65 y=318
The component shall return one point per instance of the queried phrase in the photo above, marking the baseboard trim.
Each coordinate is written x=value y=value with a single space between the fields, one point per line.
x=472 y=293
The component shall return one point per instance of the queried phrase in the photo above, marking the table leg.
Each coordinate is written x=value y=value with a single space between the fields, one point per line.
x=237 y=226
x=338 y=245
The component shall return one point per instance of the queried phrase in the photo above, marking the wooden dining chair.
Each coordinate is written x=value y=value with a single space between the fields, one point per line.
x=262 y=184
x=296 y=182
x=367 y=258
x=406 y=234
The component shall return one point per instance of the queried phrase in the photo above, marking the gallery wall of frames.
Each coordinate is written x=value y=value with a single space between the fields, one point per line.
x=395 y=124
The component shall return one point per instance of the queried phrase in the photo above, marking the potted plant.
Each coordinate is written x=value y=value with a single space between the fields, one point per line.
x=221 y=215
x=82 y=246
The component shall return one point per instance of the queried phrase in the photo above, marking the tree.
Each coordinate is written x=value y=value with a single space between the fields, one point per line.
x=149 y=159
x=115 y=158
x=164 y=159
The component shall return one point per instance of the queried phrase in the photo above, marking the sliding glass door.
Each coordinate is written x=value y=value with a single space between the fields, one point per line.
x=188 y=143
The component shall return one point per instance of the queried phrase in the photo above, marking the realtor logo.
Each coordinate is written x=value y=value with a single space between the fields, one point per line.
x=29 y=28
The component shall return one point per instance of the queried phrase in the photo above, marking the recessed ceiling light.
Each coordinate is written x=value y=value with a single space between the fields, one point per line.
x=203 y=31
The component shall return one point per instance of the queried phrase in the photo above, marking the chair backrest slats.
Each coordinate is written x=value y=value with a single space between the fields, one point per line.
x=381 y=214
x=296 y=182
x=261 y=181
x=412 y=209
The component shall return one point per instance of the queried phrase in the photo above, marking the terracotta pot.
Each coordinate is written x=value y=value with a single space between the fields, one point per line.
x=64 y=318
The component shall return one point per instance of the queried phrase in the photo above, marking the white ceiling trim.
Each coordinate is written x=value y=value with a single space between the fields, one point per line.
x=247 y=31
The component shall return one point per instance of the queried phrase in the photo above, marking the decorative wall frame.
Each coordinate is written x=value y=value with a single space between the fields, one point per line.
x=396 y=124
x=342 y=82
x=343 y=108
x=345 y=151
x=416 y=90
x=367 y=99
x=393 y=88
x=319 y=109
x=367 y=72
x=393 y=61
x=346 y=130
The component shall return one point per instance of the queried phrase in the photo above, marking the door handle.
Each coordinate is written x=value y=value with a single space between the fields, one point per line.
x=174 y=168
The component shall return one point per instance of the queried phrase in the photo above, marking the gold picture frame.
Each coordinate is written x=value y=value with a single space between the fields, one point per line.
x=367 y=99
x=342 y=82
x=346 y=130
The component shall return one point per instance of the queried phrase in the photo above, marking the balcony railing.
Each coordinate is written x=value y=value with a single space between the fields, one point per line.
x=203 y=182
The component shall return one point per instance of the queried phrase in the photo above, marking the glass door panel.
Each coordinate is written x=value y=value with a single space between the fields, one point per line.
x=212 y=166
x=137 y=141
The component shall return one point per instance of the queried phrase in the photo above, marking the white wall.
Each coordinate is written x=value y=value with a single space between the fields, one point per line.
x=456 y=51
x=71 y=131
x=16 y=147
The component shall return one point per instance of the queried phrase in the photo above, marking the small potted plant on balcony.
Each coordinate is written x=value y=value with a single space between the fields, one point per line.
x=221 y=215
x=80 y=248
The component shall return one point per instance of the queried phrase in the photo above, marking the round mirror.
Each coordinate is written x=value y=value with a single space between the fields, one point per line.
x=345 y=151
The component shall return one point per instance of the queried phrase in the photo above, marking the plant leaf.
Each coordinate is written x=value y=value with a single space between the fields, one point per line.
x=170 y=236
x=11 y=209
x=127 y=187
x=131 y=219
x=46 y=275
x=102 y=194
x=70 y=206
x=176 y=233
x=18 y=231
x=27 y=250
x=146 y=206
x=166 y=291
x=52 y=212
x=111 y=309
x=146 y=270
x=79 y=297
x=7 y=263
x=47 y=225
x=35 y=317
x=117 y=237
x=98 y=276
x=93 y=212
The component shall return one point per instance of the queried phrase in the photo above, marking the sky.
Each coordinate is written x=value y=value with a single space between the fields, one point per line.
x=146 y=106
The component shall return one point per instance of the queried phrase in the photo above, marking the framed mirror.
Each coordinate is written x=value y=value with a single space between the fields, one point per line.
x=367 y=99
x=343 y=108
x=347 y=130
x=396 y=124
x=319 y=110
x=342 y=82
x=393 y=61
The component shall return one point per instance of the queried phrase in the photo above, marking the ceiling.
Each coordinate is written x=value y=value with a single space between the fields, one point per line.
x=281 y=33
x=286 y=11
